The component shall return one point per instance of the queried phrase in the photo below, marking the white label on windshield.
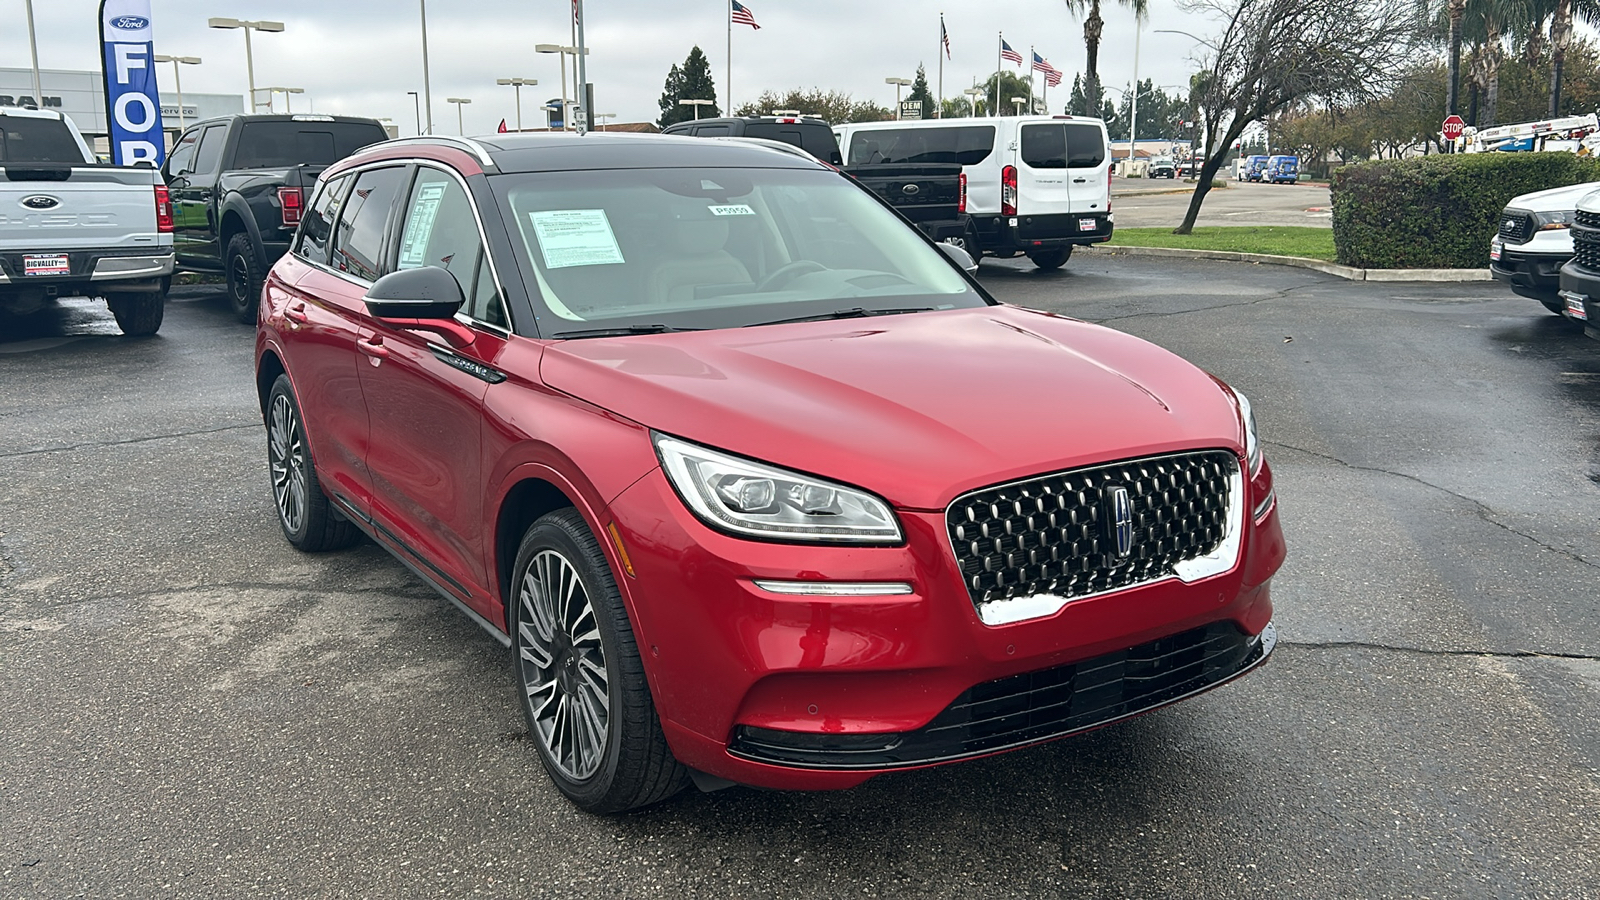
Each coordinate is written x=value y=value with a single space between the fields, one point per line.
x=735 y=209
x=419 y=227
x=575 y=237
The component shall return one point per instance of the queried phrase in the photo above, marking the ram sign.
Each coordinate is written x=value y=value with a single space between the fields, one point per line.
x=133 y=104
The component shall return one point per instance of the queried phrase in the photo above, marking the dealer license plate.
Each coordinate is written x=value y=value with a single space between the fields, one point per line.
x=1088 y=225
x=52 y=264
x=1494 y=250
x=1575 y=306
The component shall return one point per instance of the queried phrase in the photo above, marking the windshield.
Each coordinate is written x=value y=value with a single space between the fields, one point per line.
x=716 y=248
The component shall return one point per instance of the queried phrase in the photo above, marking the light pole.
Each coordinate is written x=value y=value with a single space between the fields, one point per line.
x=1133 y=115
x=1017 y=102
x=696 y=104
x=461 y=128
x=603 y=117
x=973 y=93
x=249 y=56
x=416 y=100
x=33 y=48
x=517 y=83
x=427 y=85
x=273 y=92
x=898 y=84
x=177 y=78
x=563 y=50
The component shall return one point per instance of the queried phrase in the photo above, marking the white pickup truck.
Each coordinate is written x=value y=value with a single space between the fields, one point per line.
x=71 y=226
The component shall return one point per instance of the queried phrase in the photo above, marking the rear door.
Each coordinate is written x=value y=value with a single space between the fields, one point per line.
x=1061 y=168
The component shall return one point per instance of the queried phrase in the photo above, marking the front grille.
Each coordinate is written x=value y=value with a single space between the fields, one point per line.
x=1034 y=706
x=1050 y=535
x=1586 y=247
x=1516 y=228
x=1586 y=219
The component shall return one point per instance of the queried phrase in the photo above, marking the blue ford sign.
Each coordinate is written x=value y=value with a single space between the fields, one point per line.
x=133 y=102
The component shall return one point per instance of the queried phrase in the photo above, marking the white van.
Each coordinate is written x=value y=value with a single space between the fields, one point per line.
x=1034 y=185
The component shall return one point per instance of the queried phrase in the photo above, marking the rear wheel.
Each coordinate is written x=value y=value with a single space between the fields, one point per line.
x=138 y=315
x=580 y=679
x=1051 y=259
x=308 y=518
x=245 y=277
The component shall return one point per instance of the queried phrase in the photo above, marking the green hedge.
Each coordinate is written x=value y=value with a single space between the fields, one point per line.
x=1438 y=212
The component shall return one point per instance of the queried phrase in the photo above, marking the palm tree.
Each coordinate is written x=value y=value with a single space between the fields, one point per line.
x=1561 y=17
x=1093 y=25
x=1485 y=25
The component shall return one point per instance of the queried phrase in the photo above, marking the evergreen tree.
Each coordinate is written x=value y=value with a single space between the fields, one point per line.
x=919 y=91
x=833 y=106
x=691 y=82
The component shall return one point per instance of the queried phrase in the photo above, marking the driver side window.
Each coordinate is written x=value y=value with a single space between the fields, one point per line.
x=181 y=160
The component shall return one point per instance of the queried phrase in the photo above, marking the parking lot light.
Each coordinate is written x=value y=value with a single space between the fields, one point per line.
x=517 y=84
x=459 y=102
x=249 y=56
x=696 y=104
x=898 y=84
x=177 y=78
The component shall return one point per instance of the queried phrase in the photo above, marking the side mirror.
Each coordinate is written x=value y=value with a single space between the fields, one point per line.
x=960 y=257
x=425 y=293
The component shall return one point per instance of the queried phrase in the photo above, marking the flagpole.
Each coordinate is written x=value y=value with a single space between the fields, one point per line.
x=1000 y=41
x=585 y=102
x=1032 y=55
x=729 y=84
x=938 y=110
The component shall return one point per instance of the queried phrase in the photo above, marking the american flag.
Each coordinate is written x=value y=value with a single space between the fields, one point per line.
x=1007 y=53
x=944 y=37
x=1052 y=75
x=743 y=16
x=575 y=14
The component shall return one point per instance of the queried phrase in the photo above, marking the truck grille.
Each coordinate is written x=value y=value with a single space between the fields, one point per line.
x=1586 y=244
x=1516 y=228
x=1052 y=534
x=1034 y=706
x=1586 y=219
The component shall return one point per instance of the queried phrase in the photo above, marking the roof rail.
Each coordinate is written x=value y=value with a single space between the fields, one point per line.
x=471 y=146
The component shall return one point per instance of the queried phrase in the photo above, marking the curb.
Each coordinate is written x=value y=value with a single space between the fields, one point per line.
x=1349 y=273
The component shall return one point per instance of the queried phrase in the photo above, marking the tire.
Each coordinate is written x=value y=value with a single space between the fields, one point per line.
x=309 y=520
x=138 y=315
x=245 y=277
x=1052 y=259
x=560 y=654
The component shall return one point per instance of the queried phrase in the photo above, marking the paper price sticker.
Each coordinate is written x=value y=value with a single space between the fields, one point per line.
x=575 y=237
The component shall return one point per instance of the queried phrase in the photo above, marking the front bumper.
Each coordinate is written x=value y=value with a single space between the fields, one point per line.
x=1533 y=275
x=807 y=692
x=1580 y=289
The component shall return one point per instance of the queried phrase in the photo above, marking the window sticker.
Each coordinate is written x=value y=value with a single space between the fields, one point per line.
x=732 y=209
x=575 y=237
x=419 y=226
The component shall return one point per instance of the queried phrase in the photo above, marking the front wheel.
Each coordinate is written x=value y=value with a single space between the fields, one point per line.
x=579 y=676
x=245 y=278
x=1052 y=259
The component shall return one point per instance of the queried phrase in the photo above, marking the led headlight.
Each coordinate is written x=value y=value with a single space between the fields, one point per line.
x=1552 y=221
x=748 y=498
x=1252 y=443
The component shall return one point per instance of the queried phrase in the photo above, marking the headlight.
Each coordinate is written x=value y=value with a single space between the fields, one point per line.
x=1552 y=221
x=748 y=498
x=1252 y=442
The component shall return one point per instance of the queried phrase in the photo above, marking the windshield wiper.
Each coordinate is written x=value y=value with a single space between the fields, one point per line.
x=855 y=313
x=622 y=331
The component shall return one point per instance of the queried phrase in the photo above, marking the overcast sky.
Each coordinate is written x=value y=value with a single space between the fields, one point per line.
x=359 y=57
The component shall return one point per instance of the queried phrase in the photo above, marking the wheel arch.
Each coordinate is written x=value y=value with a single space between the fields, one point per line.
x=268 y=368
x=523 y=504
x=236 y=219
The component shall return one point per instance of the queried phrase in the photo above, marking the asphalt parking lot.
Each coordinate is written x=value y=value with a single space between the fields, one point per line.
x=193 y=709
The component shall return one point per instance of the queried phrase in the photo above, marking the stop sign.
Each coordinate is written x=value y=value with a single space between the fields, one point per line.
x=1452 y=127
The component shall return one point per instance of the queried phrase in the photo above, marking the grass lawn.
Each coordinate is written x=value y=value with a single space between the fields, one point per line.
x=1279 y=240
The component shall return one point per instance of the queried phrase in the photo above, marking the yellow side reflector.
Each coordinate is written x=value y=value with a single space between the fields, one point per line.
x=622 y=552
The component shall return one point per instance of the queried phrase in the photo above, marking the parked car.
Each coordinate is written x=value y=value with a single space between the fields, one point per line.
x=1580 y=277
x=929 y=193
x=1255 y=167
x=756 y=484
x=1535 y=241
x=1036 y=185
x=1162 y=167
x=239 y=185
x=1282 y=170
x=73 y=226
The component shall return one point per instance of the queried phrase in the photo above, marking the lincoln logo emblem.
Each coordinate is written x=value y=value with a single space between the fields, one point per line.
x=1119 y=516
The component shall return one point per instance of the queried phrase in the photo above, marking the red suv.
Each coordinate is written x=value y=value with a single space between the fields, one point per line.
x=755 y=482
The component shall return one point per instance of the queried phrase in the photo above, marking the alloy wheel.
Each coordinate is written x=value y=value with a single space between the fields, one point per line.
x=563 y=665
x=286 y=455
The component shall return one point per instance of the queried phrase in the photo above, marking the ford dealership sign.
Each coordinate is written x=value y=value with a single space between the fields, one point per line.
x=133 y=102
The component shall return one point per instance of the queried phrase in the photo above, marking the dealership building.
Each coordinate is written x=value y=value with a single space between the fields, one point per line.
x=81 y=96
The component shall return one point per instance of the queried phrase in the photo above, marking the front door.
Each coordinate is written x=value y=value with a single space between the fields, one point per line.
x=194 y=198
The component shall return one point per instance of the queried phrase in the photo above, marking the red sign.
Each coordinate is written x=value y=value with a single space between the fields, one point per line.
x=1452 y=127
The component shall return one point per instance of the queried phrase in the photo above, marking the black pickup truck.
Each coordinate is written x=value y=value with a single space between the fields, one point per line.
x=931 y=195
x=238 y=185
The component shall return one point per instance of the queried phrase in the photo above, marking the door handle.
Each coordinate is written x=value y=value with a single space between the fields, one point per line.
x=296 y=313
x=374 y=348
x=1080 y=181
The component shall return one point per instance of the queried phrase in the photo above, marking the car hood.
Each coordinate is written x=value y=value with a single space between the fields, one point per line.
x=1553 y=199
x=917 y=408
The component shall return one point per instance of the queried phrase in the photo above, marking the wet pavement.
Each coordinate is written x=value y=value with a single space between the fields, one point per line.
x=193 y=709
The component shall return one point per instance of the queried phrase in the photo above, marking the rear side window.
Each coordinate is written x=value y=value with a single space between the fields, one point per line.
x=358 y=240
x=29 y=140
x=1086 y=147
x=817 y=140
x=964 y=144
x=277 y=145
x=713 y=131
x=318 y=223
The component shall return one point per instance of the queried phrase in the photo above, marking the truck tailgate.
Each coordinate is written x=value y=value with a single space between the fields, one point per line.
x=88 y=207
x=922 y=192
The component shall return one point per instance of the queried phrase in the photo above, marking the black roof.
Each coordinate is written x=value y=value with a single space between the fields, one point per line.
x=564 y=152
x=284 y=117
